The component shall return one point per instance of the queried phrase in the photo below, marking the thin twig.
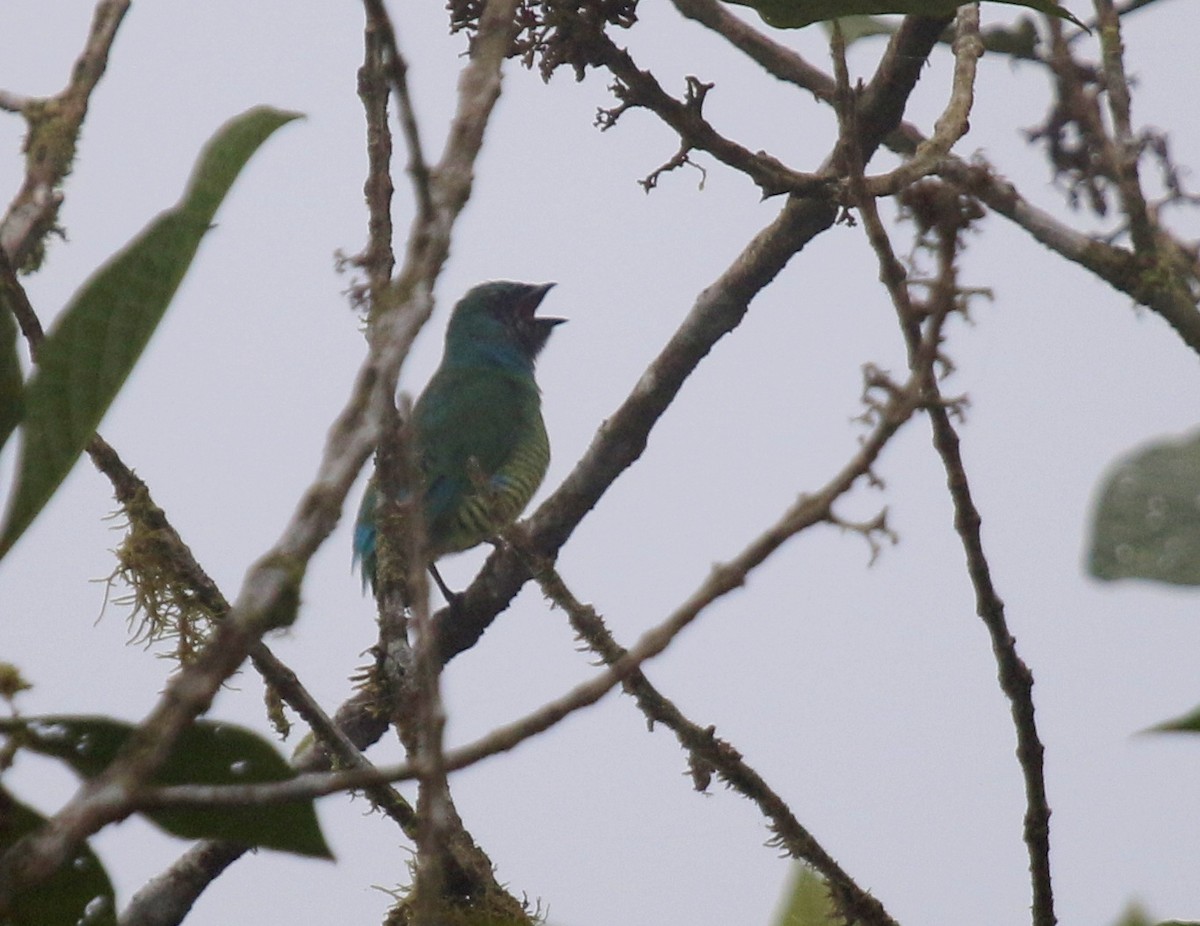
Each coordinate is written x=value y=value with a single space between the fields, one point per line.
x=883 y=101
x=13 y=102
x=709 y=754
x=1127 y=151
x=953 y=122
x=639 y=88
x=378 y=259
x=776 y=59
x=54 y=126
x=379 y=29
x=335 y=743
x=14 y=297
x=1015 y=678
x=1165 y=294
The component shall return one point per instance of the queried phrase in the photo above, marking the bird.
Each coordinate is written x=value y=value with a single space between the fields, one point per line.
x=478 y=438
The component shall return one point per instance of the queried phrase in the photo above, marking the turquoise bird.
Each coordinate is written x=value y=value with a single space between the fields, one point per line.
x=477 y=429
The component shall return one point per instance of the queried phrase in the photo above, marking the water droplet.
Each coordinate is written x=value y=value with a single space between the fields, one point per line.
x=49 y=731
x=96 y=908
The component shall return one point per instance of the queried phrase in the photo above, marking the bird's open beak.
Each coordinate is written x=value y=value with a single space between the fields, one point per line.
x=530 y=303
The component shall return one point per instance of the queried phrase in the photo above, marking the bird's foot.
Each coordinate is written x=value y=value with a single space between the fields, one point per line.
x=456 y=603
x=454 y=600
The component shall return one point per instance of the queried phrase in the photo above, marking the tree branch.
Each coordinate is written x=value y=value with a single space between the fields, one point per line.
x=378 y=259
x=1127 y=151
x=54 y=126
x=777 y=60
x=1163 y=293
x=953 y=123
x=709 y=754
x=1016 y=681
x=638 y=88
x=382 y=35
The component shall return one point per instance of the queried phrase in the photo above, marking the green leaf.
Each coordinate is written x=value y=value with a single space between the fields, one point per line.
x=1147 y=520
x=807 y=901
x=1136 y=916
x=78 y=893
x=207 y=753
x=11 y=383
x=795 y=14
x=92 y=349
x=1188 y=723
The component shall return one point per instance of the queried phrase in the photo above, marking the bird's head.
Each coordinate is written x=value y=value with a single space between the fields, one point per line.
x=496 y=321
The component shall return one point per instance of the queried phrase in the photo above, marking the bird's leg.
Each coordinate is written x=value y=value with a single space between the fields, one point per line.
x=454 y=599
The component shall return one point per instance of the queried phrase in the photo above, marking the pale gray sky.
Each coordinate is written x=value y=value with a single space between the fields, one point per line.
x=865 y=696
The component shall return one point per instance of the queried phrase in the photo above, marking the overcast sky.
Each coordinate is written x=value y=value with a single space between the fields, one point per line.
x=865 y=696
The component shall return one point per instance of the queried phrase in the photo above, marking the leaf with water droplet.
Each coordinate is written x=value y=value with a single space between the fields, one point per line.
x=1147 y=518
x=78 y=894
x=206 y=753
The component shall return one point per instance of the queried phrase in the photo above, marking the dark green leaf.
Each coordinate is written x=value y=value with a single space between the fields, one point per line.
x=207 y=753
x=1188 y=723
x=795 y=14
x=1136 y=916
x=78 y=893
x=92 y=349
x=807 y=901
x=1147 y=521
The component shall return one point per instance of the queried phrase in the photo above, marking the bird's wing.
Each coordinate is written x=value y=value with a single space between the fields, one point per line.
x=364 y=535
x=466 y=415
